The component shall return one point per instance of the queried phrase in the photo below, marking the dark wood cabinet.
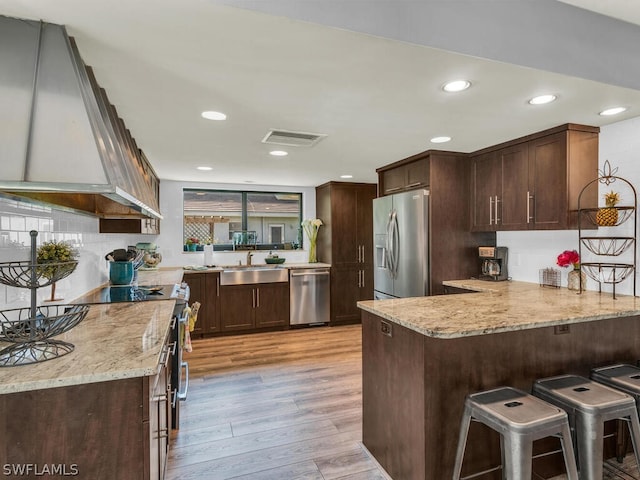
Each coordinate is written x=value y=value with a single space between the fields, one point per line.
x=403 y=176
x=150 y=226
x=255 y=306
x=205 y=289
x=453 y=252
x=533 y=183
x=346 y=242
x=124 y=421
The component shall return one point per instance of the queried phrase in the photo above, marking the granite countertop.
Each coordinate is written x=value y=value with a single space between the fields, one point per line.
x=114 y=341
x=496 y=307
x=290 y=266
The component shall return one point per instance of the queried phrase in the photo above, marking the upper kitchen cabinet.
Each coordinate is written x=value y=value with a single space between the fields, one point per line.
x=532 y=183
x=346 y=242
x=407 y=174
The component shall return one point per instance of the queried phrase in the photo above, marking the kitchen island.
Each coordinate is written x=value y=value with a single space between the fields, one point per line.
x=99 y=412
x=421 y=356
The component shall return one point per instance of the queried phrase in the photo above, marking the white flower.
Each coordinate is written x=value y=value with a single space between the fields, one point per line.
x=316 y=222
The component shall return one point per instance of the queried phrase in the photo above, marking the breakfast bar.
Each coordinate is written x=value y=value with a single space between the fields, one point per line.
x=422 y=356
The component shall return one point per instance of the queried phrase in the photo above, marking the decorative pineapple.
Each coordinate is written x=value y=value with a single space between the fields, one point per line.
x=608 y=216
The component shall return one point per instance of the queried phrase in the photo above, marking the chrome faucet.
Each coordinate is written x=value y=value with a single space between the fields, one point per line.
x=249 y=255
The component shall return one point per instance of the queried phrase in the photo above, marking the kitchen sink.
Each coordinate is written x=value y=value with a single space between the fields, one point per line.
x=248 y=274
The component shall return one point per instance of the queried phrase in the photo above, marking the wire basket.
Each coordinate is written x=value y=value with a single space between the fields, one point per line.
x=624 y=214
x=30 y=335
x=19 y=274
x=608 y=246
x=608 y=272
x=18 y=325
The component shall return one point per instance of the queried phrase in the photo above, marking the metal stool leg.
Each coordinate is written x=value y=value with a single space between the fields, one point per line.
x=462 y=442
x=569 y=454
x=634 y=429
x=590 y=432
x=518 y=450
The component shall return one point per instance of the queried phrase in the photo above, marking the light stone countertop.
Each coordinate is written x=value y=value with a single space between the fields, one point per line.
x=499 y=307
x=114 y=341
x=160 y=276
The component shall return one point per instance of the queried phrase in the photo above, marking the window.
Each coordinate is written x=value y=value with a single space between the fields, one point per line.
x=233 y=220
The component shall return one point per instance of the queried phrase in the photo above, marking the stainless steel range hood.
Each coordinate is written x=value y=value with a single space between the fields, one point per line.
x=61 y=141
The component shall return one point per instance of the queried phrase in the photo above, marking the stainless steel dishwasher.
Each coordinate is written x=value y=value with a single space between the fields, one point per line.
x=309 y=294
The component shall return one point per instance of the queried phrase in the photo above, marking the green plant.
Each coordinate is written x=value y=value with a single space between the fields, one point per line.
x=192 y=241
x=51 y=254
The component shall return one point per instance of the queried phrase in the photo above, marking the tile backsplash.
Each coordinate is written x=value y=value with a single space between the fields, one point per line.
x=18 y=218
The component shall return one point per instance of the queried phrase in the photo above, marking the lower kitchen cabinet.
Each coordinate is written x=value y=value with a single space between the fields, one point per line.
x=205 y=289
x=117 y=429
x=348 y=286
x=255 y=306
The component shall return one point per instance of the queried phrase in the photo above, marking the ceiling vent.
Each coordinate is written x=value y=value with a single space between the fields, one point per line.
x=294 y=139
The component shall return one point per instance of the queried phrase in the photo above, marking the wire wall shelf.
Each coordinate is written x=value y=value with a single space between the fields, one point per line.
x=30 y=330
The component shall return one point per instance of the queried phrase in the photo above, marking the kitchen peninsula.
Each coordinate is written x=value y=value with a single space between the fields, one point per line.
x=99 y=411
x=421 y=356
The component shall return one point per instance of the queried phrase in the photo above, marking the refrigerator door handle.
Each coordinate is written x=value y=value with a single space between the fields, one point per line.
x=393 y=241
x=387 y=247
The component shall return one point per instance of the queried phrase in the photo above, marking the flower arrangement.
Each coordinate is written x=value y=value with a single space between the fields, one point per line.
x=192 y=241
x=569 y=257
x=311 y=227
x=56 y=259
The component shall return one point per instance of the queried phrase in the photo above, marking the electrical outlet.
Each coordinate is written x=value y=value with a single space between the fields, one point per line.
x=385 y=328
x=560 y=329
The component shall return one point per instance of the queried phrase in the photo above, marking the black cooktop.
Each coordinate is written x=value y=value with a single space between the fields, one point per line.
x=130 y=293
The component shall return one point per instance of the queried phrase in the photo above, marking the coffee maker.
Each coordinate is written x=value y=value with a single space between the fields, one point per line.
x=493 y=263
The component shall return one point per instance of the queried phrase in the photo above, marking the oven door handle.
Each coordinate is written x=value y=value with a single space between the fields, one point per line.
x=183 y=394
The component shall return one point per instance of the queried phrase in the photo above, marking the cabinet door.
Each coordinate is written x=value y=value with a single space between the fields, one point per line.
x=196 y=282
x=417 y=174
x=237 y=307
x=272 y=305
x=394 y=180
x=364 y=224
x=484 y=188
x=548 y=182
x=345 y=292
x=344 y=202
x=211 y=311
x=512 y=206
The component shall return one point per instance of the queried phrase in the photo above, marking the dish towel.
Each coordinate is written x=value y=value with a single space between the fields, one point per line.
x=192 y=317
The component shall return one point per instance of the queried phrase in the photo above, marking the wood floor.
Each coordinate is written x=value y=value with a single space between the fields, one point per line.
x=281 y=406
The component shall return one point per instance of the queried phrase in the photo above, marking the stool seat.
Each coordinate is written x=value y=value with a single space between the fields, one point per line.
x=621 y=377
x=520 y=419
x=589 y=404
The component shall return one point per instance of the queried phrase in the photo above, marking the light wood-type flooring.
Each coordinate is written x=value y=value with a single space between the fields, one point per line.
x=274 y=406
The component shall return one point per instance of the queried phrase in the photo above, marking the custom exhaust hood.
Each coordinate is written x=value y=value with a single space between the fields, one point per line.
x=61 y=141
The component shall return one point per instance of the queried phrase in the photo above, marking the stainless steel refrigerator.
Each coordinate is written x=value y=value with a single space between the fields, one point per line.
x=401 y=245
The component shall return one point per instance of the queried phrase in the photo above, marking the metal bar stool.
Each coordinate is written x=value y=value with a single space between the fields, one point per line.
x=589 y=404
x=622 y=377
x=520 y=419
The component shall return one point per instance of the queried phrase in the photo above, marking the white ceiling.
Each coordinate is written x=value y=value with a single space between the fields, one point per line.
x=379 y=100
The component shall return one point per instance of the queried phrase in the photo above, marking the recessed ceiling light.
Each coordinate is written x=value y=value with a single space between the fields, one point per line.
x=204 y=169
x=456 y=86
x=346 y=176
x=440 y=139
x=542 y=99
x=613 y=111
x=278 y=153
x=211 y=115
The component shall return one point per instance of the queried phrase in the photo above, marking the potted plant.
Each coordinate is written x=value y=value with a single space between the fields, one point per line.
x=576 y=279
x=56 y=260
x=192 y=244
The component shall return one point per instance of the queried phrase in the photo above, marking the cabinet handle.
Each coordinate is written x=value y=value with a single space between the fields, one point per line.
x=257 y=298
x=253 y=295
x=218 y=286
x=414 y=184
x=490 y=210
x=362 y=286
x=496 y=207
x=529 y=198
